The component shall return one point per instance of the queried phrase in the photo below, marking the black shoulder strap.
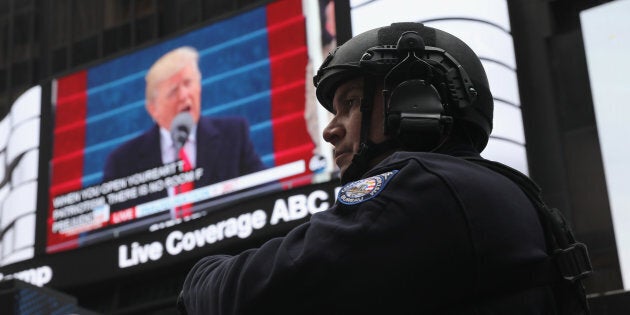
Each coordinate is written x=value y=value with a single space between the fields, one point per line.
x=569 y=258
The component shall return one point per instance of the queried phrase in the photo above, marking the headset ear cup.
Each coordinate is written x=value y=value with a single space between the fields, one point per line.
x=414 y=115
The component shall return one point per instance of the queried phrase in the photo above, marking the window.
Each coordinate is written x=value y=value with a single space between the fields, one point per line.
x=86 y=17
x=60 y=23
x=22 y=30
x=117 y=12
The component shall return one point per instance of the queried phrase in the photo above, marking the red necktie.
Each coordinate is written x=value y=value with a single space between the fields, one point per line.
x=185 y=209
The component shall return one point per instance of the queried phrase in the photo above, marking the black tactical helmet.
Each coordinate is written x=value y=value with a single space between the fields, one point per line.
x=443 y=61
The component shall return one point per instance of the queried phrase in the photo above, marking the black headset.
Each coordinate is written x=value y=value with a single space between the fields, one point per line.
x=424 y=87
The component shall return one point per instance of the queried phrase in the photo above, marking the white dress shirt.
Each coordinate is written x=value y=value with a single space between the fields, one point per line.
x=170 y=154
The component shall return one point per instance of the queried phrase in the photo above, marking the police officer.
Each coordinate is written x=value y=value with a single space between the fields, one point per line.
x=420 y=226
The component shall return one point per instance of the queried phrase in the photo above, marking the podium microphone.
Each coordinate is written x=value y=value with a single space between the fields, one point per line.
x=180 y=128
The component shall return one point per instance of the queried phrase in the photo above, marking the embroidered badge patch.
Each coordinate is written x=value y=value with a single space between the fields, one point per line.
x=364 y=189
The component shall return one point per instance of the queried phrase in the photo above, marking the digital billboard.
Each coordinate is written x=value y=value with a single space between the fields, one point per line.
x=19 y=161
x=118 y=182
x=606 y=34
x=112 y=173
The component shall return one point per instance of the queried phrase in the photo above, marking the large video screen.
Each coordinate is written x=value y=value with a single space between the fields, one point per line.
x=151 y=139
x=19 y=161
x=606 y=34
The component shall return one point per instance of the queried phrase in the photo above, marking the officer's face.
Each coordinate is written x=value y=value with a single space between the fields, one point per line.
x=344 y=130
x=178 y=93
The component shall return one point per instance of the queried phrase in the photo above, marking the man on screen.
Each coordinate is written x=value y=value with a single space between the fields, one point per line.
x=220 y=147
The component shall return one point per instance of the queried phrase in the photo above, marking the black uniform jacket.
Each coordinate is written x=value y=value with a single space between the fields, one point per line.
x=421 y=233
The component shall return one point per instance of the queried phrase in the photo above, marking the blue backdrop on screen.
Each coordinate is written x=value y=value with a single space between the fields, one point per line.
x=235 y=66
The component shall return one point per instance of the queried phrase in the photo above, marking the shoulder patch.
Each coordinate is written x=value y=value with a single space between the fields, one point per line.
x=364 y=189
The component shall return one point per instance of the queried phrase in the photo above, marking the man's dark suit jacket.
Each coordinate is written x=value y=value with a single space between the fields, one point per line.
x=224 y=151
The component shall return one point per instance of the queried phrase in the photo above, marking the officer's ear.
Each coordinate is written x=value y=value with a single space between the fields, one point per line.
x=415 y=115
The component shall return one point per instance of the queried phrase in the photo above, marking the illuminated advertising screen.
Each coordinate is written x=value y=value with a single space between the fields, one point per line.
x=19 y=160
x=606 y=33
x=207 y=142
x=168 y=133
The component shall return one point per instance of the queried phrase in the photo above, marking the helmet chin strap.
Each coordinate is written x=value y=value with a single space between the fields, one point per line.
x=368 y=150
